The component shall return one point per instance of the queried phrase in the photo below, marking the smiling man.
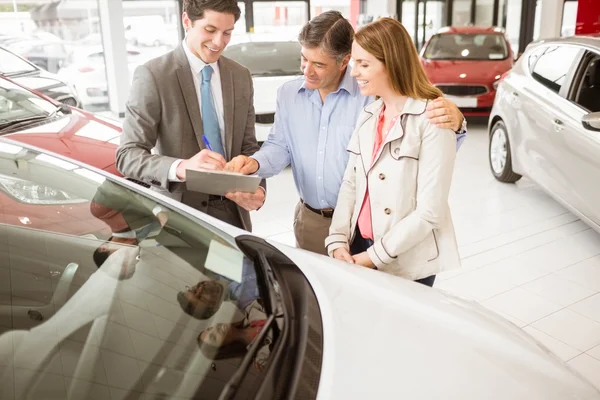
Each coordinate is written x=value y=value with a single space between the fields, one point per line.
x=195 y=109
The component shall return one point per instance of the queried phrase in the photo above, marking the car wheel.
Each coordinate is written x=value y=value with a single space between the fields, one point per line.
x=500 y=154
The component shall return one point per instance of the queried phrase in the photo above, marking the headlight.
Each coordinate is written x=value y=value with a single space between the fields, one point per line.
x=32 y=193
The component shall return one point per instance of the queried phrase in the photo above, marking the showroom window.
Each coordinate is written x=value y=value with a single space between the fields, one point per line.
x=552 y=68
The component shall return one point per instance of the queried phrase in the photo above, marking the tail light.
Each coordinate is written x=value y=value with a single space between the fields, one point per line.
x=86 y=69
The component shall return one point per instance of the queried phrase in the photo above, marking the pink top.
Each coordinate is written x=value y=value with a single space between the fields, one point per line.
x=364 y=217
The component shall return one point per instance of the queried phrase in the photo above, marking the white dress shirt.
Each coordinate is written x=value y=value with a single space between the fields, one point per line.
x=196 y=65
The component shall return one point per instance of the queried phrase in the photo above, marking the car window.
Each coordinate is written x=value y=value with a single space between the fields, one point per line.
x=102 y=284
x=587 y=84
x=534 y=56
x=552 y=67
x=466 y=47
x=11 y=65
x=267 y=58
x=17 y=103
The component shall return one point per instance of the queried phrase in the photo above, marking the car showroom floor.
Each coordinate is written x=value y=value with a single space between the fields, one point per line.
x=524 y=256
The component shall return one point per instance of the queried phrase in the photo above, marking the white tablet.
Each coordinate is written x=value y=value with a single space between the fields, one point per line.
x=220 y=182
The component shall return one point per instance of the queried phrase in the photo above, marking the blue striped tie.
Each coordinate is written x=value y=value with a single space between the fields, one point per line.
x=210 y=122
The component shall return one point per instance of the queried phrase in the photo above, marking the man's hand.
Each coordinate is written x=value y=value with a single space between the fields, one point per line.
x=444 y=114
x=363 y=259
x=248 y=201
x=343 y=254
x=205 y=159
x=242 y=164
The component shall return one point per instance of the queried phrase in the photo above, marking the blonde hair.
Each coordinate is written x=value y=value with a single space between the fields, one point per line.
x=388 y=41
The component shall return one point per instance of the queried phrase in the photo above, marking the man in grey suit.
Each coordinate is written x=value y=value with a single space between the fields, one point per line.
x=195 y=109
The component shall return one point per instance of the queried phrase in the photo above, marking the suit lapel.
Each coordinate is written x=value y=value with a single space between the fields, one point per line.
x=228 y=106
x=190 y=97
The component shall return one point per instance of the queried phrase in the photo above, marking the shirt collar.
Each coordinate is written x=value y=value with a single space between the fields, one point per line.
x=195 y=62
x=348 y=84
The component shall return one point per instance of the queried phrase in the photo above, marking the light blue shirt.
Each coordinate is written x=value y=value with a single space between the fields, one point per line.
x=313 y=136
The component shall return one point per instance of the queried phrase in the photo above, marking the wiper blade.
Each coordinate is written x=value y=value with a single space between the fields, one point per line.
x=5 y=125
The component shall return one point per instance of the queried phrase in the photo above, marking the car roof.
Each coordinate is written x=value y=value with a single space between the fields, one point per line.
x=592 y=40
x=469 y=29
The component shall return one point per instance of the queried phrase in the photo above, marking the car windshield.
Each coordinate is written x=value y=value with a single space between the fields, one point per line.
x=267 y=58
x=18 y=104
x=11 y=64
x=106 y=293
x=466 y=47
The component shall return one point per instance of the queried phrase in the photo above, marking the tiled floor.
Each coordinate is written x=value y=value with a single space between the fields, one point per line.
x=524 y=256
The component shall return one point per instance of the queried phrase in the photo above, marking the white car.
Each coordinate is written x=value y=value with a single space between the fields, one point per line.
x=545 y=123
x=158 y=300
x=271 y=62
x=85 y=71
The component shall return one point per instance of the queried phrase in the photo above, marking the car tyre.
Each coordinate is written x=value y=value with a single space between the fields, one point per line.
x=499 y=154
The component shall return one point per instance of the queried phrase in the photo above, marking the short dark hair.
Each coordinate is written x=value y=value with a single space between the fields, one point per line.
x=329 y=31
x=99 y=256
x=195 y=8
x=196 y=312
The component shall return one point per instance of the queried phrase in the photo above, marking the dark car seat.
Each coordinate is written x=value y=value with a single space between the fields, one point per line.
x=589 y=97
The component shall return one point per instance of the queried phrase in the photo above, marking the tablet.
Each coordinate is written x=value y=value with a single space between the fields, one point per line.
x=220 y=182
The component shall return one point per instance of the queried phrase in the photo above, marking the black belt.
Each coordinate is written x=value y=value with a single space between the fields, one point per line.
x=214 y=197
x=327 y=212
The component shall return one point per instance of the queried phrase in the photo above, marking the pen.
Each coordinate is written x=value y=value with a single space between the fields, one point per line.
x=206 y=143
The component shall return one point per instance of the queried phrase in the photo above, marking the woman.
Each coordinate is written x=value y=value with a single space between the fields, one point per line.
x=392 y=212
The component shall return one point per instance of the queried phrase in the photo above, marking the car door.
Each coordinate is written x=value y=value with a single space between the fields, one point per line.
x=539 y=99
x=577 y=147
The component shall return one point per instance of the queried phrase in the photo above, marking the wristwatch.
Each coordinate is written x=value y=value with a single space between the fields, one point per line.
x=463 y=127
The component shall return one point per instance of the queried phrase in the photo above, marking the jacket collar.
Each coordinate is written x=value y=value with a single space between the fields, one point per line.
x=369 y=127
x=411 y=107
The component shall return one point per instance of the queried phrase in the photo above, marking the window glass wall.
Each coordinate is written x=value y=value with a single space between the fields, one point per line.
x=51 y=36
x=461 y=12
x=513 y=23
x=569 y=18
x=283 y=18
x=484 y=13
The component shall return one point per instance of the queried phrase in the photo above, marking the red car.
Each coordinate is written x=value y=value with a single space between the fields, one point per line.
x=467 y=63
x=30 y=117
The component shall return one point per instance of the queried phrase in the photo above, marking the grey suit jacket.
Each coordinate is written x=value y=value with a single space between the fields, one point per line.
x=162 y=112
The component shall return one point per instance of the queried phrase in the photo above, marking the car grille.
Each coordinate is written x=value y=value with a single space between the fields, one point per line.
x=265 y=118
x=463 y=90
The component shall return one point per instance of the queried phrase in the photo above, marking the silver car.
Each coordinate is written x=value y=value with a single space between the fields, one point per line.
x=545 y=123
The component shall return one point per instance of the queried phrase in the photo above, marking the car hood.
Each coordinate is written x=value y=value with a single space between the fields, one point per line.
x=78 y=135
x=44 y=80
x=386 y=337
x=459 y=71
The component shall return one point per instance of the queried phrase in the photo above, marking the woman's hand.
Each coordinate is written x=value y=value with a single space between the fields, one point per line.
x=363 y=259
x=343 y=255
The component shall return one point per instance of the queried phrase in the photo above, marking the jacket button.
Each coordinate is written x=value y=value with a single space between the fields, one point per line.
x=387 y=211
x=381 y=176
x=204 y=203
x=397 y=150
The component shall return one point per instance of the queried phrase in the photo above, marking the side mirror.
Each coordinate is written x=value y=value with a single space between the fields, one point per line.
x=591 y=121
